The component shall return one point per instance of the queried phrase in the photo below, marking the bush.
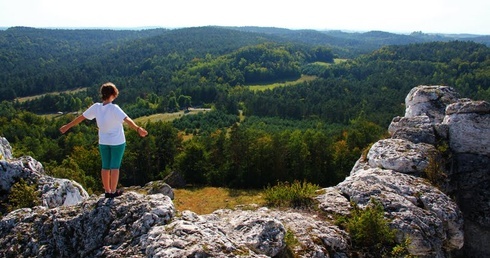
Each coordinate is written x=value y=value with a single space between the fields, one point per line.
x=22 y=195
x=295 y=195
x=435 y=171
x=369 y=229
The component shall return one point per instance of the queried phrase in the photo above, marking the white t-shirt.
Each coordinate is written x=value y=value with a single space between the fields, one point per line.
x=110 y=118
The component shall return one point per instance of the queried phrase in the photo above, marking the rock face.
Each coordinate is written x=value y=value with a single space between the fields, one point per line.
x=5 y=149
x=147 y=225
x=464 y=125
x=54 y=191
x=468 y=131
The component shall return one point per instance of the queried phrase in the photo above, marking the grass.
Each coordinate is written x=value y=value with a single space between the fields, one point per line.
x=167 y=117
x=205 y=200
x=263 y=87
x=24 y=99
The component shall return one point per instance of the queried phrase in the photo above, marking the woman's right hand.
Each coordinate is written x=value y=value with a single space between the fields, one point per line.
x=142 y=132
x=64 y=128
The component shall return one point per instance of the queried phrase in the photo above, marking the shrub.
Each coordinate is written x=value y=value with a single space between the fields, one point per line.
x=295 y=195
x=369 y=229
x=401 y=250
x=22 y=195
x=435 y=172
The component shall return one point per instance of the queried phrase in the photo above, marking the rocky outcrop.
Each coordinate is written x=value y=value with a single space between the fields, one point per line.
x=392 y=171
x=96 y=227
x=464 y=126
x=54 y=191
x=467 y=126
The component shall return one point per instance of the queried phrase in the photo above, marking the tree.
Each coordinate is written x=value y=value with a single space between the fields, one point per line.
x=193 y=163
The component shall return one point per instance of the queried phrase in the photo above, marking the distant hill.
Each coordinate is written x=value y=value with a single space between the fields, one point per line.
x=35 y=61
x=361 y=42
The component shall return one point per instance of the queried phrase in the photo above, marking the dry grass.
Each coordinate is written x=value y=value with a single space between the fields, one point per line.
x=205 y=200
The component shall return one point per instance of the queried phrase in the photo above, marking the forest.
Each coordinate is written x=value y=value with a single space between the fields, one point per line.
x=313 y=130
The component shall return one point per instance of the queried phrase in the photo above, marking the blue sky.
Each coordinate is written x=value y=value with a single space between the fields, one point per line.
x=429 y=16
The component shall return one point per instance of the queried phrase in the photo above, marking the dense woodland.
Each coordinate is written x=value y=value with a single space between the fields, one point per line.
x=313 y=130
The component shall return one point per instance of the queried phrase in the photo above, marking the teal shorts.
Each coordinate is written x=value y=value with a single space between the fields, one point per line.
x=111 y=155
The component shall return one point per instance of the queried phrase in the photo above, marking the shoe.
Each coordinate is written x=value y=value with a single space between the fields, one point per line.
x=117 y=193
x=109 y=195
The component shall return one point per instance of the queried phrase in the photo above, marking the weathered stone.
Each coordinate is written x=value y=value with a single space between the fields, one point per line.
x=5 y=149
x=468 y=106
x=400 y=155
x=470 y=185
x=416 y=129
x=469 y=127
x=155 y=187
x=54 y=191
x=333 y=201
x=98 y=227
x=430 y=101
x=418 y=210
x=244 y=233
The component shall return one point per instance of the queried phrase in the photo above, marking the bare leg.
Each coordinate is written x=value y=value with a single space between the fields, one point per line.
x=106 y=179
x=114 y=180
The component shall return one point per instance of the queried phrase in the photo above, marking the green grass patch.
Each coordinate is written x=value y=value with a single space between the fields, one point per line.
x=24 y=99
x=294 y=195
x=263 y=87
x=167 y=117
x=339 y=60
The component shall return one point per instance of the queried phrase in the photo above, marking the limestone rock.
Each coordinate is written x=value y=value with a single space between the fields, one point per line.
x=469 y=127
x=98 y=227
x=416 y=129
x=155 y=187
x=430 y=101
x=418 y=210
x=54 y=191
x=400 y=155
x=5 y=149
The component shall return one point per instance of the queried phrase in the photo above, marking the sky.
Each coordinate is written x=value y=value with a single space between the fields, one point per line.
x=428 y=16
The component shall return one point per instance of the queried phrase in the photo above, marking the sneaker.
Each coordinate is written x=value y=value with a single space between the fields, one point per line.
x=117 y=193
x=109 y=195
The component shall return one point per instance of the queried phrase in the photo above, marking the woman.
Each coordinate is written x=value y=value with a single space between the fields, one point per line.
x=112 y=141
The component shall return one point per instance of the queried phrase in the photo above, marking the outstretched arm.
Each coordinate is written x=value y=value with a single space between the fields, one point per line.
x=141 y=131
x=75 y=121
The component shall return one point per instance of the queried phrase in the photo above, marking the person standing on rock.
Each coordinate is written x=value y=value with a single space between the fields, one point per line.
x=112 y=141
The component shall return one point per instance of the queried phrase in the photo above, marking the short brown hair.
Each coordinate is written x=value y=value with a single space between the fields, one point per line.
x=108 y=89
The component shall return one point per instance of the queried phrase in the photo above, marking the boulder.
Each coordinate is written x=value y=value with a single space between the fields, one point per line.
x=54 y=191
x=469 y=127
x=430 y=101
x=400 y=155
x=417 y=210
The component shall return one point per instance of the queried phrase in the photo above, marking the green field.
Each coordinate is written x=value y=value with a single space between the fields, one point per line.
x=23 y=99
x=168 y=117
x=263 y=87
